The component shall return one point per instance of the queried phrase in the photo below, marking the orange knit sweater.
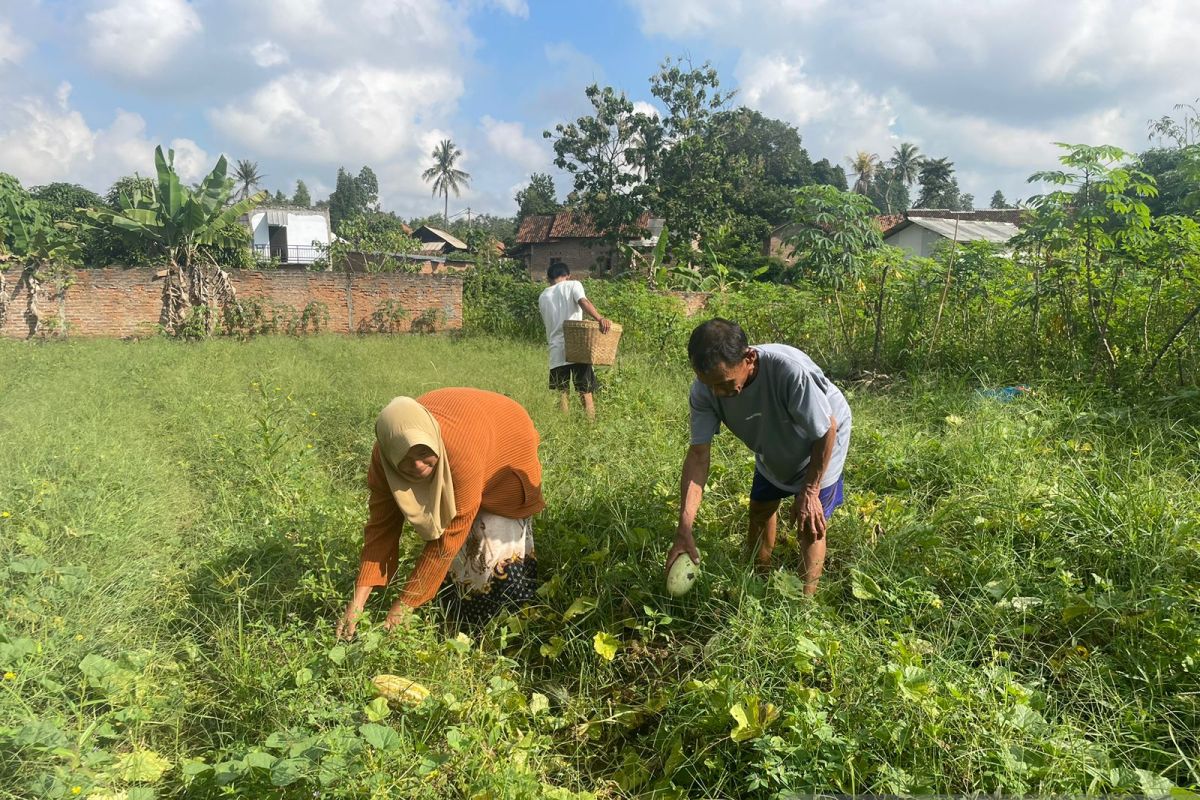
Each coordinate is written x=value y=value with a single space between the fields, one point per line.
x=491 y=445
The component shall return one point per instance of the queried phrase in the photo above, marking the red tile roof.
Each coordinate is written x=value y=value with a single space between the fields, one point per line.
x=535 y=229
x=888 y=221
x=563 y=225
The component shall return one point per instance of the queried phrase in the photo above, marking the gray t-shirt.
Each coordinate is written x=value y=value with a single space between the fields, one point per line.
x=779 y=415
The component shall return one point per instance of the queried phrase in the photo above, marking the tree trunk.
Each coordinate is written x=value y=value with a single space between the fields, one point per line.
x=945 y=290
x=1036 y=311
x=837 y=299
x=879 y=318
x=1175 y=334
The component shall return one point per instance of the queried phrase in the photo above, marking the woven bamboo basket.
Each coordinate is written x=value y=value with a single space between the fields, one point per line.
x=587 y=345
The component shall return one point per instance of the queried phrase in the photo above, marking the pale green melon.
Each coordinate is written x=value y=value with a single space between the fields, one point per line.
x=681 y=575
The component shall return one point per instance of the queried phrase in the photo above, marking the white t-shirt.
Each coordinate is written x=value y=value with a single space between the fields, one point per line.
x=559 y=303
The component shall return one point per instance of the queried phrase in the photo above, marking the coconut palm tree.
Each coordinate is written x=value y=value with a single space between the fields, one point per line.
x=906 y=162
x=446 y=178
x=864 y=165
x=247 y=177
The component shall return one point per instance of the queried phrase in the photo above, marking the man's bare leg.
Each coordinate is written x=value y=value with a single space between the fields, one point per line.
x=813 y=548
x=589 y=404
x=564 y=402
x=760 y=542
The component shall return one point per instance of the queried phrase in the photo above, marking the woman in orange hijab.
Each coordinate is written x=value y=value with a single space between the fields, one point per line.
x=460 y=466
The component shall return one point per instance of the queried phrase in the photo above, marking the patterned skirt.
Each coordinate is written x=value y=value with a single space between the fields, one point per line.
x=495 y=569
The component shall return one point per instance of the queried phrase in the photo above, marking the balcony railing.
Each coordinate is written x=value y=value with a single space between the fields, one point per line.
x=292 y=254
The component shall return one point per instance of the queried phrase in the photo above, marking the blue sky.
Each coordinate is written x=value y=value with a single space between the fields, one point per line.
x=89 y=87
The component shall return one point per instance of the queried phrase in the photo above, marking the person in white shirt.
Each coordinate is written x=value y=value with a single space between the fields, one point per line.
x=562 y=300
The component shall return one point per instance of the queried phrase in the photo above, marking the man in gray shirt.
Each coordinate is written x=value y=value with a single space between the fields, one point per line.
x=780 y=405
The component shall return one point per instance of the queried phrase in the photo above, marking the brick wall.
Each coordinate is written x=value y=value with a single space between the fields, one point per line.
x=128 y=302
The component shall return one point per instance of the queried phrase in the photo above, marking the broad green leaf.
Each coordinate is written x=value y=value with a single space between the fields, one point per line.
x=288 y=771
x=864 y=586
x=552 y=648
x=142 y=766
x=606 y=645
x=304 y=676
x=260 y=759
x=377 y=710
x=752 y=719
x=97 y=667
x=193 y=768
x=381 y=737
x=460 y=643
x=538 y=704
x=582 y=605
x=338 y=654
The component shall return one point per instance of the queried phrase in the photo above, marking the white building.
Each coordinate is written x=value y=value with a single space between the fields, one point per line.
x=290 y=234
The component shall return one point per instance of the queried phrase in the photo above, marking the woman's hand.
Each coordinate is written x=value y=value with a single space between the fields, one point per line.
x=349 y=621
x=399 y=614
x=353 y=612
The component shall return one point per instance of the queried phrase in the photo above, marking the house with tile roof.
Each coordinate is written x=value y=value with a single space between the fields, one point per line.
x=570 y=237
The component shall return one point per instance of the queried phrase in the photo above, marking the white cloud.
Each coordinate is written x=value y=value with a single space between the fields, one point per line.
x=136 y=39
x=649 y=109
x=191 y=161
x=990 y=85
x=360 y=113
x=518 y=8
x=831 y=113
x=269 y=54
x=12 y=47
x=508 y=140
x=44 y=142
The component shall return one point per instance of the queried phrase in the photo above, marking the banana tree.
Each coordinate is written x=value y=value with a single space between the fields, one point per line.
x=180 y=223
x=46 y=249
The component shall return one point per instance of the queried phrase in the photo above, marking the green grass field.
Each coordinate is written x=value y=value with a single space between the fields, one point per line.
x=1012 y=602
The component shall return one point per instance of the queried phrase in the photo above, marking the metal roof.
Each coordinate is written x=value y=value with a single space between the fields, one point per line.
x=449 y=239
x=963 y=230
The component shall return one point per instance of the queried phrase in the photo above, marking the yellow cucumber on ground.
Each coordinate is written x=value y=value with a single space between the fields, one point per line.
x=400 y=690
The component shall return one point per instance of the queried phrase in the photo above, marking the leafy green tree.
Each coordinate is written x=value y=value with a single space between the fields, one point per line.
x=763 y=163
x=939 y=187
x=829 y=174
x=888 y=191
x=374 y=242
x=63 y=201
x=280 y=197
x=247 y=176
x=998 y=200
x=67 y=203
x=44 y=247
x=445 y=176
x=301 y=196
x=352 y=196
x=125 y=187
x=834 y=236
x=608 y=154
x=536 y=198
x=1097 y=207
x=688 y=173
x=182 y=225
x=966 y=202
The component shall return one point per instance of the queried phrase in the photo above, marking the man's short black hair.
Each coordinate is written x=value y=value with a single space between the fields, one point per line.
x=718 y=341
x=557 y=270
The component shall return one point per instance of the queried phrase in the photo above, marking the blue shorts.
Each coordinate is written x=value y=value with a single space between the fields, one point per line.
x=763 y=491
